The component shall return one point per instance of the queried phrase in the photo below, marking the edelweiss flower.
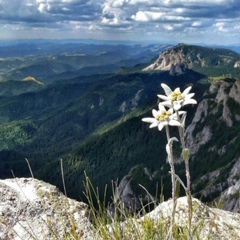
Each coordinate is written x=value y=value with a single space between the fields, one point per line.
x=176 y=99
x=162 y=117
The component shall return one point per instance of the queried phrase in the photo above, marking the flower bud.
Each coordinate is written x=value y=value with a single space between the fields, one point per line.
x=185 y=154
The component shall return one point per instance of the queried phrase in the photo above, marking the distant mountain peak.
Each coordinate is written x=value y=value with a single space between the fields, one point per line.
x=182 y=56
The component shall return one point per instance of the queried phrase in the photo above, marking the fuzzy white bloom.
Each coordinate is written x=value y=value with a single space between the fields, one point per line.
x=162 y=118
x=176 y=99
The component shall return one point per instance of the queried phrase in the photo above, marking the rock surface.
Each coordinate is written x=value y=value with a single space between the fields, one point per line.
x=170 y=60
x=207 y=223
x=32 y=209
x=210 y=223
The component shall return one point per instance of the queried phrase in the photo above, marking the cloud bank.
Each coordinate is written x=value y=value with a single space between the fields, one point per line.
x=215 y=21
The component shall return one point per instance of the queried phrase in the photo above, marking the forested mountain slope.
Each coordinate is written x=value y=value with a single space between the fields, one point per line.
x=94 y=124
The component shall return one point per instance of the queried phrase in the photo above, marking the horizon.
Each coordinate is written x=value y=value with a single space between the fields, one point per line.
x=168 y=21
x=115 y=42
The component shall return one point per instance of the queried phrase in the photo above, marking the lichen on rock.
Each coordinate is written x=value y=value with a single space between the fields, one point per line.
x=33 y=209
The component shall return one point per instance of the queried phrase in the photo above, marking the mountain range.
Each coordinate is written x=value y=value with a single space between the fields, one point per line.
x=83 y=103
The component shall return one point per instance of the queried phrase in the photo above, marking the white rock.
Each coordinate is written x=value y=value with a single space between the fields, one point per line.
x=32 y=209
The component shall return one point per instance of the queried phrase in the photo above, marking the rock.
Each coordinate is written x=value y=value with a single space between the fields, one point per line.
x=203 y=136
x=237 y=64
x=170 y=60
x=131 y=103
x=128 y=193
x=230 y=198
x=137 y=98
x=207 y=223
x=210 y=223
x=222 y=184
x=32 y=209
x=124 y=107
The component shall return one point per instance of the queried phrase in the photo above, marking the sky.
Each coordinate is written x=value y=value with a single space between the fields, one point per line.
x=165 y=21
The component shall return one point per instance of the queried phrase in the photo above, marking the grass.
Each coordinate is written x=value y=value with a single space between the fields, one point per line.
x=120 y=224
x=123 y=225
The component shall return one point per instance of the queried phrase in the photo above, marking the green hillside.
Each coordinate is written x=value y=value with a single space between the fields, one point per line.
x=110 y=154
x=94 y=124
x=64 y=116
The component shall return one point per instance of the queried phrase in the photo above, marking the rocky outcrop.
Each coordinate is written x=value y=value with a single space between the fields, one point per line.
x=179 y=58
x=237 y=64
x=216 y=101
x=230 y=198
x=32 y=209
x=132 y=103
x=220 y=107
x=207 y=223
x=129 y=194
x=170 y=60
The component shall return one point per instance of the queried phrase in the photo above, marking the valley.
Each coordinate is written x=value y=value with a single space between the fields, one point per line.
x=83 y=103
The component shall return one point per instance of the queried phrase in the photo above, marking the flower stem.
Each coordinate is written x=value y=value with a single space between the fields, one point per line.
x=185 y=155
x=171 y=163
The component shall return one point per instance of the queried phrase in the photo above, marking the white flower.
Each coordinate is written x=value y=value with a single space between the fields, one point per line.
x=162 y=118
x=176 y=99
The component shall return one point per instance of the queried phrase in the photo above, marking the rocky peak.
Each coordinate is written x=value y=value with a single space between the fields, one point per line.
x=170 y=60
x=181 y=57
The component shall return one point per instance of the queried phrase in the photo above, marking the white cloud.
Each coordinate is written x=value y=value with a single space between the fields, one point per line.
x=126 y=18
x=147 y=16
x=221 y=26
x=197 y=24
x=42 y=7
x=168 y=27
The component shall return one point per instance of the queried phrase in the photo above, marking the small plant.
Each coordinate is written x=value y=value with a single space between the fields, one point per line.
x=174 y=101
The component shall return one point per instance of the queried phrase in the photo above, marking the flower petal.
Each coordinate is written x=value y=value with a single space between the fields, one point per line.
x=149 y=120
x=167 y=104
x=161 y=107
x=154 y=124
x=177 y=89
x=174 y=123
x=166 y=89
x=170 y=110
x=160 y=126
x=177 y=105
x=186 y=91
x=190 y=95
x=163 y=97
x=154 y=113
x=189 y=101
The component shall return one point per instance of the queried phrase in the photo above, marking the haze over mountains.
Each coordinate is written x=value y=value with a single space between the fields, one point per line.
x=84 y=103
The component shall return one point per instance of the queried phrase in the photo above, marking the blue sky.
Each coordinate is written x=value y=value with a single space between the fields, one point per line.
x=188 y=21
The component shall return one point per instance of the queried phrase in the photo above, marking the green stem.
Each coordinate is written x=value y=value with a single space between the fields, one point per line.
x=171 y=163
x=185 y=154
